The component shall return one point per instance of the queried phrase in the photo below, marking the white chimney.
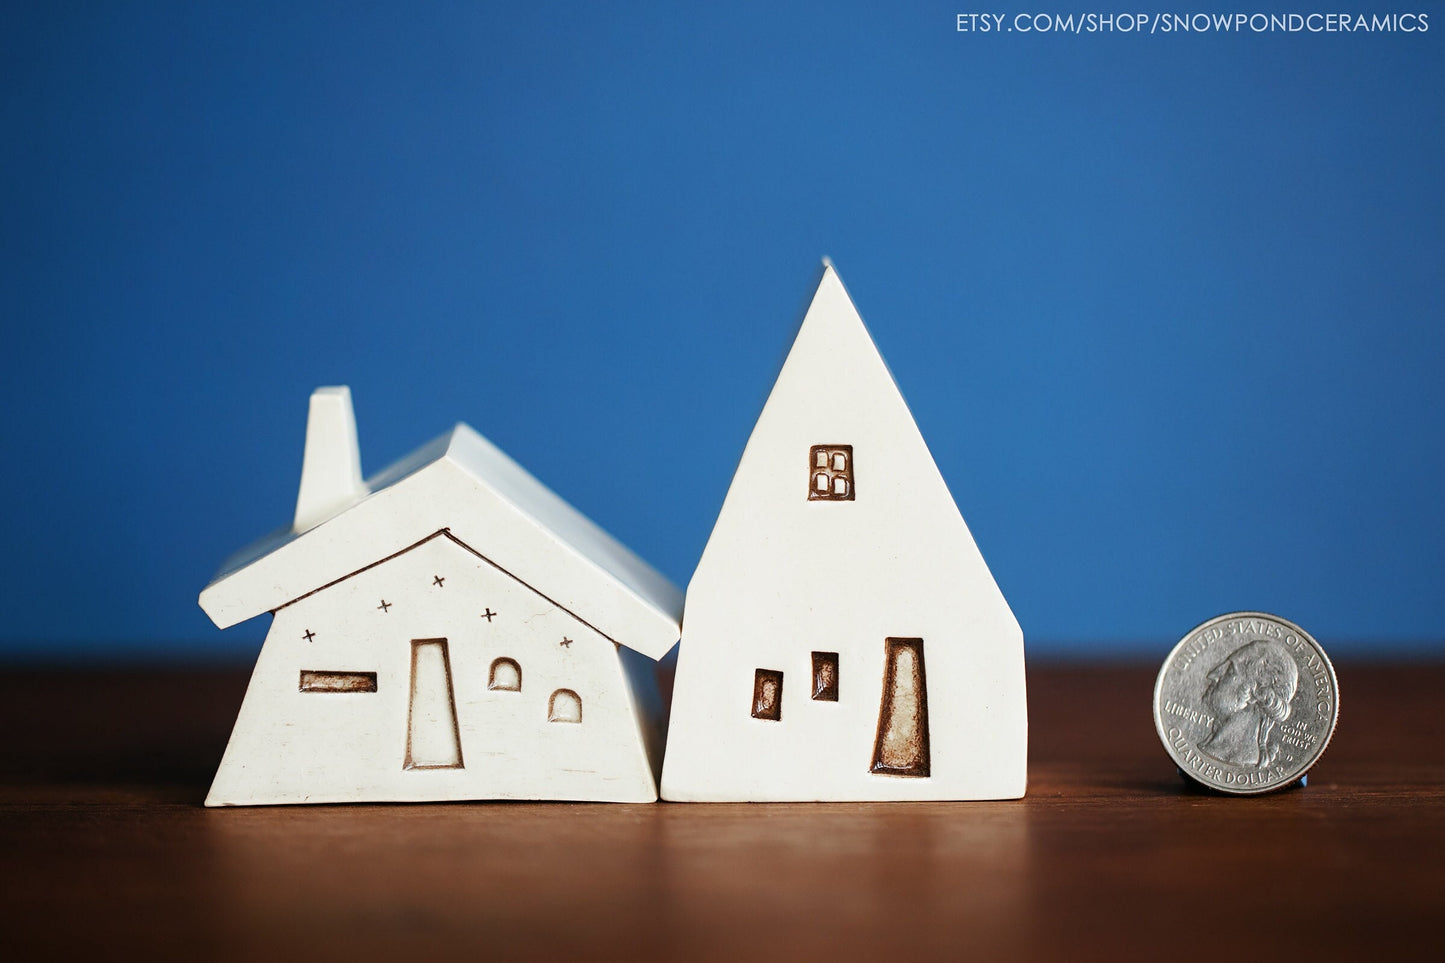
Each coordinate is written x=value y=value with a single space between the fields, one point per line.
x=331 y=469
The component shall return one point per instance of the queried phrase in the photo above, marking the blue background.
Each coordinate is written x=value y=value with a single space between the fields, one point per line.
x=1167 y=308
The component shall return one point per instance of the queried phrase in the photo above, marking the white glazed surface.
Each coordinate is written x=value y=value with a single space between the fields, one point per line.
x=290 y=746
x=783 y=576
x=454 y=542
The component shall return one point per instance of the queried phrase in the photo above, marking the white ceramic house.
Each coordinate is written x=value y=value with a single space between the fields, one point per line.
x=843 y=638
x=448 y=629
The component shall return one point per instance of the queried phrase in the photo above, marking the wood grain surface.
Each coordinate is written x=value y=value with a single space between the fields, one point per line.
x=106 y=852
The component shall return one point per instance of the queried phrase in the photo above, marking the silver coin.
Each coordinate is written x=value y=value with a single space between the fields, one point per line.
x=1246 y=703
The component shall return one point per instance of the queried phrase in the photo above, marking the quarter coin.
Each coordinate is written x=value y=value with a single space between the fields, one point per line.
x=1246 y=703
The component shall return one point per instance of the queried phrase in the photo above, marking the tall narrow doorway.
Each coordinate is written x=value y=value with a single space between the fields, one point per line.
x=901 y=748
x=432 y=741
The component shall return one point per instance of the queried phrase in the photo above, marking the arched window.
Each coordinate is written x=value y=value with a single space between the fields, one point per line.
x=506 y=674
x=564 y=706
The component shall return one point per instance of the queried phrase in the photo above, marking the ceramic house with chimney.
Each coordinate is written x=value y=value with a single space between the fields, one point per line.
x=843 y=639
x=448 y=629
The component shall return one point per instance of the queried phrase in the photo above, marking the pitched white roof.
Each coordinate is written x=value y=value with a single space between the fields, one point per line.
x=462 y=483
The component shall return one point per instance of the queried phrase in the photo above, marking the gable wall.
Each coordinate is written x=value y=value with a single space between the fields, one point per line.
x=293 y=746
x=783 y=576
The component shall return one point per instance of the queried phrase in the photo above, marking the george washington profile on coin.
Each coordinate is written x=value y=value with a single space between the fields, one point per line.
x=1246 y=703
x=1249 y=692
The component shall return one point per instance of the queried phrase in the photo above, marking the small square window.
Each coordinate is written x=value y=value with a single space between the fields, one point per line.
x=768 y=695
x=830 y=470
x=825 y=676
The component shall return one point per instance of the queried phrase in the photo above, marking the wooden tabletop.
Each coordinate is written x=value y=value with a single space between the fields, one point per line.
x=105 y=849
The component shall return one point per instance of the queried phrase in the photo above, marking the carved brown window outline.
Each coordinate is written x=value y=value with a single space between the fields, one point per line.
x=322 y=680
x=825 y=676
x=505 y=685
x=830 y=473
x=768 y=695
x=901 y=748
x=449 y=727
x=570 y=709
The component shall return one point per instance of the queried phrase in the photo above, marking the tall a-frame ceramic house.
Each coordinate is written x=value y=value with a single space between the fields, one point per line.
x=843 y=638
x=448 y=629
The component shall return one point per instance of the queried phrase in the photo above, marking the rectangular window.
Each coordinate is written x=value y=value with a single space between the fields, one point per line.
x=825 y=676
x=768 y=695
x=315 y=680
x=830 y=473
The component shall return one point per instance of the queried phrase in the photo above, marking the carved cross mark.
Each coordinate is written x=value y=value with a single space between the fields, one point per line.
x=384 y=606
x=566 y=643
x=489 y=615
x=308 y=635
x=437 y=580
